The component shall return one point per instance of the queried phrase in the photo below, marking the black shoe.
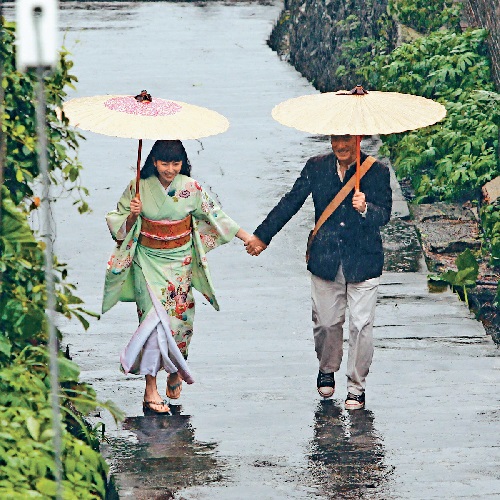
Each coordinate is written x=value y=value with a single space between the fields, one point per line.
x=354 y=401
x=325 y=384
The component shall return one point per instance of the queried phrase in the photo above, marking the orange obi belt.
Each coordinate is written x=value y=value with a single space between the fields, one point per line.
x=165 y=234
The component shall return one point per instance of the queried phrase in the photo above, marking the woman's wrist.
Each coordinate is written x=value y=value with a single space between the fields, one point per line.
x=131 y=221
x=242 y=235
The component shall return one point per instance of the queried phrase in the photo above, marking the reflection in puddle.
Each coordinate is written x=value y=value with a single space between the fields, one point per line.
x=347 y=456
x=159 y=456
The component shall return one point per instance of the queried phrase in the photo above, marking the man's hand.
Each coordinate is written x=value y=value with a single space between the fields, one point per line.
x=255 y=245
x=359 y=202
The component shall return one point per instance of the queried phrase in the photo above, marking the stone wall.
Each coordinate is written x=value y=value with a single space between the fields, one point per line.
x=486 y=14
x=312 y=34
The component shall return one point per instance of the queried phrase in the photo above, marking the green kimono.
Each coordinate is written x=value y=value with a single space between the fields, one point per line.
x=171 y=274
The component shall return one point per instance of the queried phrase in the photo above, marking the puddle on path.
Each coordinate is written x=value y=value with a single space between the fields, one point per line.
x=155 y=456
x=347 y=455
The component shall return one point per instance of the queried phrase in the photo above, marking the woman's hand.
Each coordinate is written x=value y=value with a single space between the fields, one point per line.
x=243 y=235
x=135 y=207
x=135 y=210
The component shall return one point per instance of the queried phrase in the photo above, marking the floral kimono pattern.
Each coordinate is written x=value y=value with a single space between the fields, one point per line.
x=134 y=270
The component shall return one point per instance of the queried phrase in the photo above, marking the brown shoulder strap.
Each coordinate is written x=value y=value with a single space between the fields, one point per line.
x=339 y=198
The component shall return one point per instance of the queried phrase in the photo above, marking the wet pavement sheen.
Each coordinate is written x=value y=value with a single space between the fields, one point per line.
x=252 y=426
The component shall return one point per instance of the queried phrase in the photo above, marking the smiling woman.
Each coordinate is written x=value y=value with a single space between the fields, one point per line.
x=163 y=237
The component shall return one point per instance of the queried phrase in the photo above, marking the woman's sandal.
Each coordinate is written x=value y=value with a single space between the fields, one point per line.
x=354 y=401
x=172 y=389
x=146 y=406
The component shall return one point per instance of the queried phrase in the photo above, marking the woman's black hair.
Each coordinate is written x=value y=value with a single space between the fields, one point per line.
x=166 y=151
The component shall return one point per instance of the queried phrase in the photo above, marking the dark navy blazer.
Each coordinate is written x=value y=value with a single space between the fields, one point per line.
x=346 y=237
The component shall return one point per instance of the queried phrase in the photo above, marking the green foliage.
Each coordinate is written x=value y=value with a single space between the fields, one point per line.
x=452 y=159
x=490 y=223
x=436 y=66
x=22 y=288
x=465 y=275
x=19 y=127
x=426 y=16
x=26 y=453
x=358 y=51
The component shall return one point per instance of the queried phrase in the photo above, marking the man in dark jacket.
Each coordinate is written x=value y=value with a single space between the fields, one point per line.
x=346 y=259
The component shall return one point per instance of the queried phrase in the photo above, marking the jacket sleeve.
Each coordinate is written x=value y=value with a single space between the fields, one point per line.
x=286 y=208
x=379 y=202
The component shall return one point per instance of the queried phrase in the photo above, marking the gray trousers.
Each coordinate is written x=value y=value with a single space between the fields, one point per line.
x=329 y=301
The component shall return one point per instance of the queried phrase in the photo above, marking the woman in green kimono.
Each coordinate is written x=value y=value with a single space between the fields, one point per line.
x=163 y=235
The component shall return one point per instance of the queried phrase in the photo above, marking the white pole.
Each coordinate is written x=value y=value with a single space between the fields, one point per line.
x=35 y=17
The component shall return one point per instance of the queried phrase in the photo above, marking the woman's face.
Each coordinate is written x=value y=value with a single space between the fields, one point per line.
x=167 y=170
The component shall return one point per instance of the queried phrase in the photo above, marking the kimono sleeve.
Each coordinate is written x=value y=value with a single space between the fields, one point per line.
x=116 y=218
x=213 y=225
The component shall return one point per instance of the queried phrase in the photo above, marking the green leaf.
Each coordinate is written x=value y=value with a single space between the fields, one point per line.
x=33 y=426
x=466 y=260
x=466 y=277
x=68 y=370
x=450 y=277
x=47 y=487
x=5 y=346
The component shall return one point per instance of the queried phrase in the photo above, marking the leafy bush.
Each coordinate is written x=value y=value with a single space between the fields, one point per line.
x=452 y=159
x=22 y=287
x=490 y=222
x=19 y=127
x=426 y=16
x=26 y=453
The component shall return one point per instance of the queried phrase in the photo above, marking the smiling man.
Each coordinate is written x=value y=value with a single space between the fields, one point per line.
x=345 y=260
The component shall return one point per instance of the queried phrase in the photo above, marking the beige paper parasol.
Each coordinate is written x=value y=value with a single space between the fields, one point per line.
x=358 y=112
x=143 y=117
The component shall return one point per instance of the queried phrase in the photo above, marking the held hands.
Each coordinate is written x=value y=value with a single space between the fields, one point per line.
x=359 y=202
x=255 y=245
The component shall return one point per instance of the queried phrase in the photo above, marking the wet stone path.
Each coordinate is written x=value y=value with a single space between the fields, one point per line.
x=252 y=427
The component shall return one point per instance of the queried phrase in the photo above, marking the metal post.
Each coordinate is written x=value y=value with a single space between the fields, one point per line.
x=49 y=254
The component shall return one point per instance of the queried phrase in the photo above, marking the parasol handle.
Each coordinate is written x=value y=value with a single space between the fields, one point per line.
x=139 y=150
x=358 y=161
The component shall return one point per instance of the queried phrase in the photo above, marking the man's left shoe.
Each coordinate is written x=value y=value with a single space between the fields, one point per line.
x=355 y=401
x=325 y=384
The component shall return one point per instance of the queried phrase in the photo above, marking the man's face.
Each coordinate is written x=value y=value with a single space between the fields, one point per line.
x=344 y=147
